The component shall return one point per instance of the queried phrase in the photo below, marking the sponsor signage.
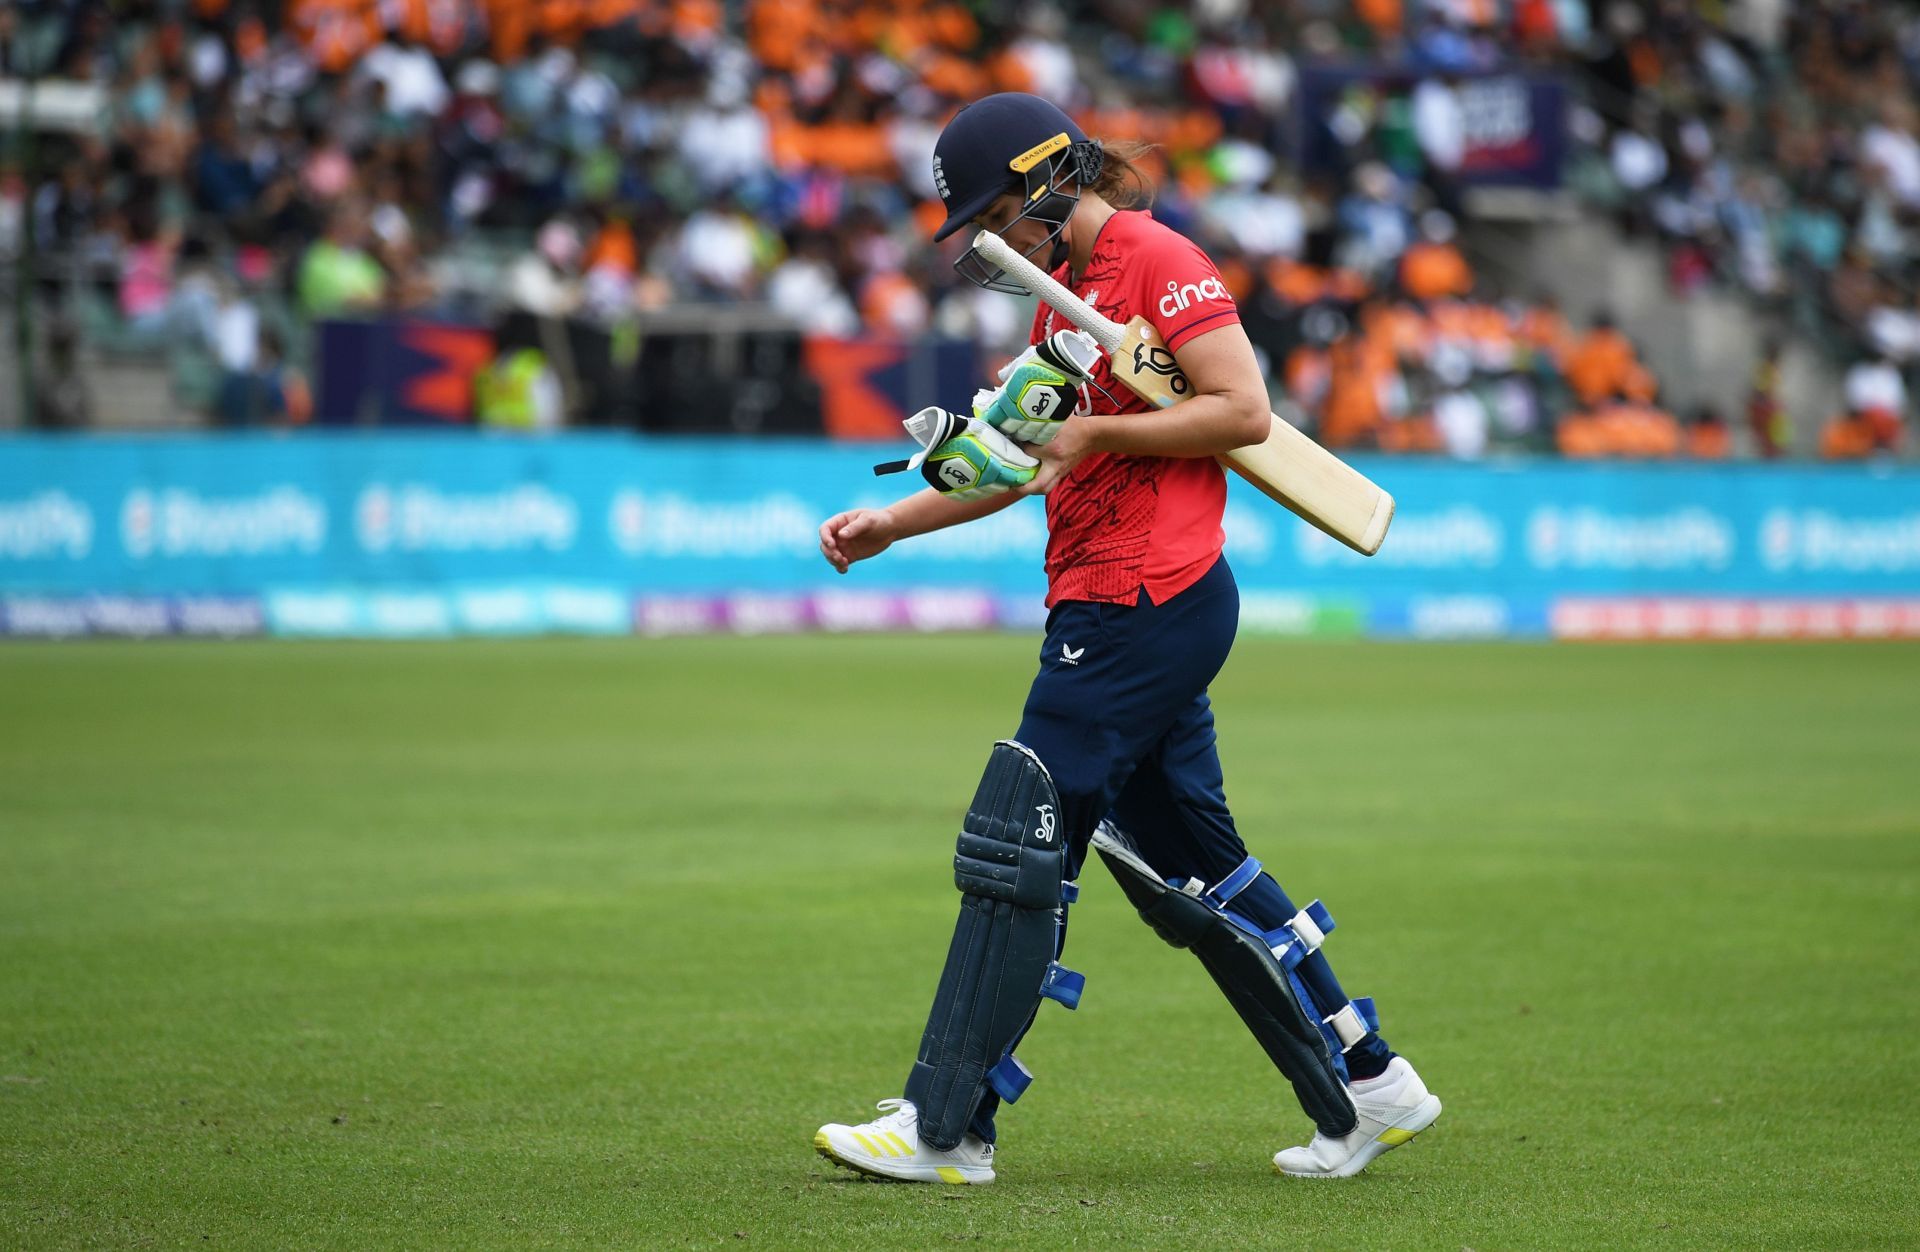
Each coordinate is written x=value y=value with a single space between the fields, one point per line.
x=431 y=534
x=1513 y=122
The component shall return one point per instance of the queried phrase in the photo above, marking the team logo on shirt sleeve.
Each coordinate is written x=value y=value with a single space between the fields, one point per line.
x=1183 y=296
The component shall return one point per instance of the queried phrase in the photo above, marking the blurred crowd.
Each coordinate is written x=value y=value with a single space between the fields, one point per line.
x=1775 y=148
x=267 y=165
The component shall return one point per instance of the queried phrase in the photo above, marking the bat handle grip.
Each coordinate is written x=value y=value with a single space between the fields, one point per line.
x=1108 y=334
x=1110 y=338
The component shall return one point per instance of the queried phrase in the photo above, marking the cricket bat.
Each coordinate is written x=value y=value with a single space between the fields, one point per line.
x=1289 y=467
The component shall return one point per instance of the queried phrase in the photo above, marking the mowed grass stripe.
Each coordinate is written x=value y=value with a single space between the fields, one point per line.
x=574 y=943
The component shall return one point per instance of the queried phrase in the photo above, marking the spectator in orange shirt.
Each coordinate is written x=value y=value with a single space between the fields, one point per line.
x=1601 y=364
x=1384 y=17
x=1433 y=267
x=1579 y=437
x=1639 y=430
x=1848 y=437
x=1877 y=395
x=1876 y=400
x=1415 y=433
x=1619 y=429
x=1708 y=438
x=1352 y=414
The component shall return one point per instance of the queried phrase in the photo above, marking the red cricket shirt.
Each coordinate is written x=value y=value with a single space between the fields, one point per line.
x=1120 y=523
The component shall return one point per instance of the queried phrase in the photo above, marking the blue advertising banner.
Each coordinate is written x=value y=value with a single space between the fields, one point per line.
x=398 y=533
x=1514 y=123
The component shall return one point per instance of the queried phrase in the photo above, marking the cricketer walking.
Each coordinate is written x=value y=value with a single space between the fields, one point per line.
x=1116 y=748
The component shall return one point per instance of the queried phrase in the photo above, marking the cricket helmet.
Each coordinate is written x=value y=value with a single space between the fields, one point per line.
x=1012 y=142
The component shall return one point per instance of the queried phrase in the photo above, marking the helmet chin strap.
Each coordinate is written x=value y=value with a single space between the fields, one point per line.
x=1061 y=248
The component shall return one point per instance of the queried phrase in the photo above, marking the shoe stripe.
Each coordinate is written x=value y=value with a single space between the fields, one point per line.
x=906 y=1149
x=949 y=1174
x=868 y=1144
x=1395 y=1137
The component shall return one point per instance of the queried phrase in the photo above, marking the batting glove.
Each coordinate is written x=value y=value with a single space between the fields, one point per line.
x=963 y=458
x=1040 y=388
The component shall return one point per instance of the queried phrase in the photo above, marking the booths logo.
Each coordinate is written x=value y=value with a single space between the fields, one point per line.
x=176 y=522
x=1461 y=537
x=672 y=525
x=1584 y=538
x=415 y=517
x=46 y=524
x=668 y=524
x=1813 y=539
x=628 y=521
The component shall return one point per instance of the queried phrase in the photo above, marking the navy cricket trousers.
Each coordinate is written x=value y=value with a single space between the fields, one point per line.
x=1120 y=716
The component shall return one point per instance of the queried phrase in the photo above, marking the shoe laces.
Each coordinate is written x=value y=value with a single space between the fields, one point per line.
x=897 y=1114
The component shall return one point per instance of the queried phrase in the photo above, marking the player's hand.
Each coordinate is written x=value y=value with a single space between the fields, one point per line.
x=1071 y=445
x=855 y=535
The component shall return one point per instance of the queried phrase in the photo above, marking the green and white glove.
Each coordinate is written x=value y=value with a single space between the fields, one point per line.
x=1040 y=388
x=963 y=458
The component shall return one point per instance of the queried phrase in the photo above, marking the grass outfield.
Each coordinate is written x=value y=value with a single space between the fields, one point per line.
x=575 y=943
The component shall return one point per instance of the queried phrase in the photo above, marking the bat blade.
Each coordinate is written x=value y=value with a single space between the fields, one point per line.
x=1146 y=366
x=1289 y=468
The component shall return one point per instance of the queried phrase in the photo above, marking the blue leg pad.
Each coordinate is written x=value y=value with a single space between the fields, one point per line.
x=1009 y=865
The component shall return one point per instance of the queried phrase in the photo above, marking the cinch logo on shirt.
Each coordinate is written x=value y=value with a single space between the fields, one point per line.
x=1183 y=295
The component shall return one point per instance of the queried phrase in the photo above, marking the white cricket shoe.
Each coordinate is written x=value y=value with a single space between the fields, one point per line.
x=889 y=1147
x=1394 y=1107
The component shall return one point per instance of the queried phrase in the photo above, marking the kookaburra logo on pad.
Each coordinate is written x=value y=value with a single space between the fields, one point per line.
x=1045 y=833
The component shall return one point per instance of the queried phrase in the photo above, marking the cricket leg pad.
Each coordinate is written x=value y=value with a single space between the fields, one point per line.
x=1010 y=868
x=1344 y=1022
x=1243 y=964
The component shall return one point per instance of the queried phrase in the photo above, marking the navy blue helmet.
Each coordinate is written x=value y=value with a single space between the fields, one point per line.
x=1012 y=142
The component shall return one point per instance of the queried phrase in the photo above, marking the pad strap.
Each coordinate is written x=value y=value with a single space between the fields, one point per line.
x=1233 y=884
x=1351 y=1022
x=1009 y=1079
x=1345 y=1024
x=1063 y=985
x=1302 y=936
x=1312 y=924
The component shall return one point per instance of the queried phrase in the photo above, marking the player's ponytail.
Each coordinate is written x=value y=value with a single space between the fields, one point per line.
x=1122 y=183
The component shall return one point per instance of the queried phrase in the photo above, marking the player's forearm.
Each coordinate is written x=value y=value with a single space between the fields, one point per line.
x=928 y=510
x=1206 y=425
